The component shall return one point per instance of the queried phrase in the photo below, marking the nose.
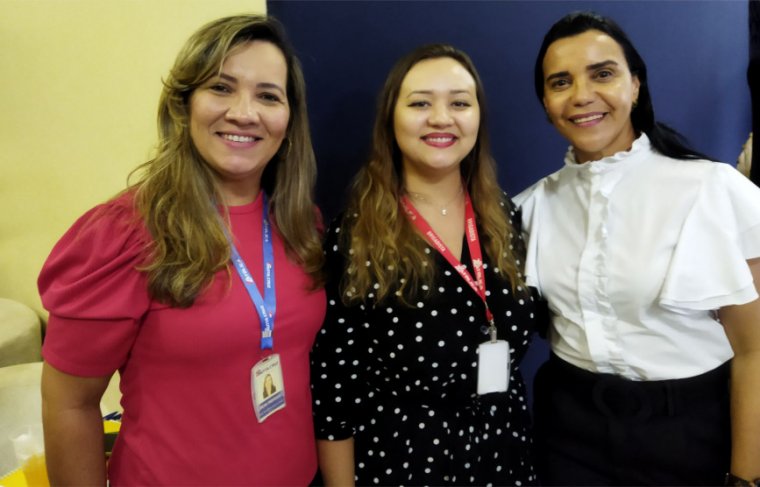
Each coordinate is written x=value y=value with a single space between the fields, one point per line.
x=440 y=115
x=583 y=92
x=242 y=110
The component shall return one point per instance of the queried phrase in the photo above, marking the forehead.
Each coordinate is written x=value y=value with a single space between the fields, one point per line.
x=258 y=56
x=442 y=73
x=578 y=51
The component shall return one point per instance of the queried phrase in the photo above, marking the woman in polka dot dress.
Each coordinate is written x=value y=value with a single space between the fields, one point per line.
x=395 y=367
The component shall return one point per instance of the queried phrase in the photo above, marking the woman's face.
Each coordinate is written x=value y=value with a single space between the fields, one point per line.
x=588 y=94
x=239 y=118
x=436 y=117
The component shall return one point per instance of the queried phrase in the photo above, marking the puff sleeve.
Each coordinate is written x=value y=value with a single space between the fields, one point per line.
x=94 y=293
x=527 y=203
x=708 y=269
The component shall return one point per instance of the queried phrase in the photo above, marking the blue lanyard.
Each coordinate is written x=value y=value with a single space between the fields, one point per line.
x=264 y=307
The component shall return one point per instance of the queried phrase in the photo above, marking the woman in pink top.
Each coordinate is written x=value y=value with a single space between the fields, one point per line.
x=196 y=283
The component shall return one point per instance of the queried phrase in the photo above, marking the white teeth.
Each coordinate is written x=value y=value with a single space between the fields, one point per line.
x=238 y=138
x=587 y=119
x=439 y=140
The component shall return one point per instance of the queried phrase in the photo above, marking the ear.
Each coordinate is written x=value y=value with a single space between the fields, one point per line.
x=636 y=85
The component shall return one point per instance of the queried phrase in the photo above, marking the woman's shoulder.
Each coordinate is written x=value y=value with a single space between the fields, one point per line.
x=106 y=224
x=710 y=175
x=537 y=189
x=104 y=247
x=510 y=208
x=114 y=226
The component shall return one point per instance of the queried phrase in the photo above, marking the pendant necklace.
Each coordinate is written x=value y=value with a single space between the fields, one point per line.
x=444 y=209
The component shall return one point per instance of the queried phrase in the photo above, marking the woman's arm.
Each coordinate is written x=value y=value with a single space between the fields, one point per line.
x=336 y=462
x=742 y=325
x=73 y=426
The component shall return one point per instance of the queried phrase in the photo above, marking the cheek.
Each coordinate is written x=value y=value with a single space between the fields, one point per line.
x=621 y=95
x=400 y=123
x=277 y=122
x=402 y=129
x=200 y=119
x=195 y=130
x=472 y=123
x=553 y=107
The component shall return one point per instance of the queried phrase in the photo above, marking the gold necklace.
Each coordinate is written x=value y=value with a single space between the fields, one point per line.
x=424 y=199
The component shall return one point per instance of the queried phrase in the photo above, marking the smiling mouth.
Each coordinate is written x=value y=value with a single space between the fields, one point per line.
x=239 y=138
x=439 y=140
x=587 y=118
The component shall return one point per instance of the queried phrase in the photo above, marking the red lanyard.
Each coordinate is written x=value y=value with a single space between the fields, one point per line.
x=478 y=284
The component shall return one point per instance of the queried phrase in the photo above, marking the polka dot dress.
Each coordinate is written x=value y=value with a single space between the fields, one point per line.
x=402 y=381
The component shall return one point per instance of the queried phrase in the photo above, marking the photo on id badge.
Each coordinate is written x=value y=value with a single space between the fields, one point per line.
x=267 y=387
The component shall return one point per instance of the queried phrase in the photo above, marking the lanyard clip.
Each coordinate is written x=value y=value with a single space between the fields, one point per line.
x=492 y=331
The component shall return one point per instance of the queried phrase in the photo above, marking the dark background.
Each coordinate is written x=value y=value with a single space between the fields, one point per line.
x=696 y=53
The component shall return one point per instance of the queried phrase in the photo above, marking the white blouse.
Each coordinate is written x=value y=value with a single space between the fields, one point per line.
x=634 y=253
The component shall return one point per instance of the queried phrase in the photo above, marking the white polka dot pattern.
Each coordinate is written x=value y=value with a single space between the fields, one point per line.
x=402 y=381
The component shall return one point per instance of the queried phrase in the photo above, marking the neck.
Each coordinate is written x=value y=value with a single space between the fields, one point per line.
x=238 y=195
x=438 y=199
x=439 y=192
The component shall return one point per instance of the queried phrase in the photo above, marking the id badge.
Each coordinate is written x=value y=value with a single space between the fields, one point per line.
x=493 y=367
x=267 y=387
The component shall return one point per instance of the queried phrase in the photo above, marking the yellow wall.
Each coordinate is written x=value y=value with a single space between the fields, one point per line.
x=79 y=84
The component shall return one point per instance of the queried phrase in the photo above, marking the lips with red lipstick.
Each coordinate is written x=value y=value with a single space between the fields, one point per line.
x=439 y=139
x=587 y=119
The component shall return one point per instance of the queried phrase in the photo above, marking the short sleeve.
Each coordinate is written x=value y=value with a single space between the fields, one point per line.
x=336 y=387
x=721 y=232
x=528 y=203
x=93 y=291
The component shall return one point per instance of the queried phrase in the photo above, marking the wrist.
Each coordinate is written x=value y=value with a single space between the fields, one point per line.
x=735 y=481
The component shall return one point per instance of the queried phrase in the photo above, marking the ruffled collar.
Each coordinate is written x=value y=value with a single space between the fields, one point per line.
x=639 y=146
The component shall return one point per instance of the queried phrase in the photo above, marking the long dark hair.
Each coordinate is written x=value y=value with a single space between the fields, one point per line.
x=665 y=140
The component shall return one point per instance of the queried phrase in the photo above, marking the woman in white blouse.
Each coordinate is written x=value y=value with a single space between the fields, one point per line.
x=649 y=258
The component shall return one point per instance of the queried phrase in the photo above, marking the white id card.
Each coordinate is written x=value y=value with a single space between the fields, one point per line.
x=493 y=367
x=267 y=387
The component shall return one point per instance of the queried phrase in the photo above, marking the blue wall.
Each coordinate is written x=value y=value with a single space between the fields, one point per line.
x=696 y=52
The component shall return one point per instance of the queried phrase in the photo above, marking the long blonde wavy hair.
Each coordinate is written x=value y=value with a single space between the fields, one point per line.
x=177 y=194
x=388 y=255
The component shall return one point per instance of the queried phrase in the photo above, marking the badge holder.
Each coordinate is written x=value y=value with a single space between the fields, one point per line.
x=493 y=364
x=267 y=387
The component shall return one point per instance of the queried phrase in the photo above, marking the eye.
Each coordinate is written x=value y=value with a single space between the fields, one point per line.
x=559 y=83
x=461 y=104
x=270 y=97
x=604 y=74
x=220 y=88
x=419 y=104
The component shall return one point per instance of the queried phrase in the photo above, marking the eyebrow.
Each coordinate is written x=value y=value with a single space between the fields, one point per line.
x=430 y=92
x=590 y=67
x=265 y=85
